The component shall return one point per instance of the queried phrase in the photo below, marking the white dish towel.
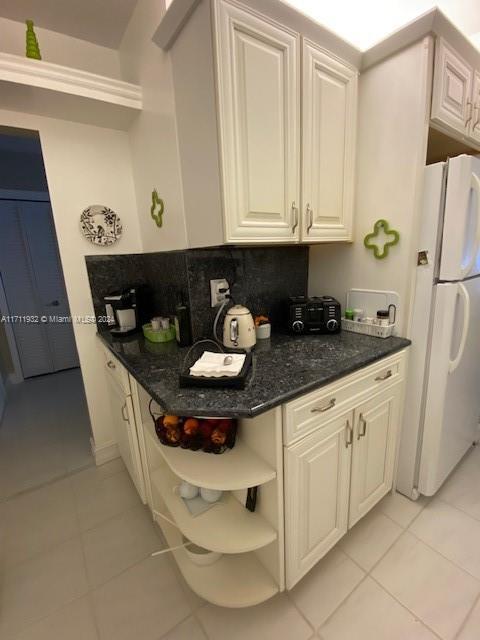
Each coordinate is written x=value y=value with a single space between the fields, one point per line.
x=211 y=365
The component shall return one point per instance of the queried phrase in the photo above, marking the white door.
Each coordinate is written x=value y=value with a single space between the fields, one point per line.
x=452 y=408
x=259 y=122
x=460 y=257
x=125 y=434
x=317 y=478
x=33 y=281
x=329 y=131
x=452 y=89
x=474 y=129
x=373 y=458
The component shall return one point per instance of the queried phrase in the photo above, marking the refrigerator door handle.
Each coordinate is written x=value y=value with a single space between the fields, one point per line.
x=475 y=186
x=466 y=322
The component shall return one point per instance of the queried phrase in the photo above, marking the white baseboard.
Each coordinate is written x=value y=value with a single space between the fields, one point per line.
x=105 y=452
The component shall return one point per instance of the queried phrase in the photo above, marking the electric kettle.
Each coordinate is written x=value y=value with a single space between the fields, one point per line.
x=239 y=328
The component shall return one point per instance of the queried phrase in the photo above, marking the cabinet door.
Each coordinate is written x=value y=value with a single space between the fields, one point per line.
x=452 y=89
x=258 y=95
x=329 y=132
x=373 y=458
x=474 y=131
x=126 y=436
x=317 y=477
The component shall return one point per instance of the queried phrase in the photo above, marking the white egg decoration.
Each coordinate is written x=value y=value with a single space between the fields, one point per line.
x=211 y=495
x=188 y=491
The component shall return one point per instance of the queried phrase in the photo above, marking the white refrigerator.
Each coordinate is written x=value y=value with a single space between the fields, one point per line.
x=442 y=409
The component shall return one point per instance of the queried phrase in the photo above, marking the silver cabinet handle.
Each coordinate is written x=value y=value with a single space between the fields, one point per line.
x=348 y=434
x=469 y=112
x=111 y=365
x=124 y=408
x=476 y=107
x=326 y=407
x=295 y=216
x=386 y=376
x=361 y=422
x=309 y=214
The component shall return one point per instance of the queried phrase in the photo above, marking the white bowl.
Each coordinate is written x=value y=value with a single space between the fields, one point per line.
x=200 y=556
x=263 y=331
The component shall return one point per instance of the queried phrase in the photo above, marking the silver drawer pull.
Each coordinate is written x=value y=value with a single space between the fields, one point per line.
x=328 y=406
x=348 y=434
x=110 y=365
x=361 y=423
x=388 y=375
x=124 y=409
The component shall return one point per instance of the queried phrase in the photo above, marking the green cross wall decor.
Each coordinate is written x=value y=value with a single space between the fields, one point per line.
x=381 y=225
x=157 y=208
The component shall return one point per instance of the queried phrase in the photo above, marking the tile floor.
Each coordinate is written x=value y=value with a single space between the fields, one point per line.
x=75 y=565
x=44 y=434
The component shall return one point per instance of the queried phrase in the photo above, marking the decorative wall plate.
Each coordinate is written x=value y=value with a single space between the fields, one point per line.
x=100 y=225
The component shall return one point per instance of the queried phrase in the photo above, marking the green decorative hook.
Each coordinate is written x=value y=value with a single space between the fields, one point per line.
x=377 y=228
x=157 y=208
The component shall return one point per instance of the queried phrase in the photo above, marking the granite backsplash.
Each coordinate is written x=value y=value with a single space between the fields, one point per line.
x=261 y=278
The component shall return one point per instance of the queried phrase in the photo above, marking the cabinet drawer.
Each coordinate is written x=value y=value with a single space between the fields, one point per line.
x=312 y=410
x=116 y=370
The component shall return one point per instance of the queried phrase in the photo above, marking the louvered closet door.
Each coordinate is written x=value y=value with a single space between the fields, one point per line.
x=38 y=227
x=31 y=339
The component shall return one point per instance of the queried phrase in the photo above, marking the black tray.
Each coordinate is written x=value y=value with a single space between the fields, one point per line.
x=224 y=382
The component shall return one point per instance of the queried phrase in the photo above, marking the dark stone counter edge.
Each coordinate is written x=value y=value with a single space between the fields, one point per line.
x=266 y=406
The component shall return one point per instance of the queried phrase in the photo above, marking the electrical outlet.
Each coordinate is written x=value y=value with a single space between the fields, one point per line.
x=219 y=289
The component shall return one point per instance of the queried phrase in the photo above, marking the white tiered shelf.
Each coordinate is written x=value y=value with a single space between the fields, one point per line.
x=227 y=527
x=50 y=89
x=232 y=581
x=237 y=468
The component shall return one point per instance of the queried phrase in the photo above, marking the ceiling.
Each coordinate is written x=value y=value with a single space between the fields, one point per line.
x=99 y=21
x=365 y=22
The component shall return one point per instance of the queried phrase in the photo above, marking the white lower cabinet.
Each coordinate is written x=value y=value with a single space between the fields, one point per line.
x=373 y=457
x=338 y=472
x=317 y=486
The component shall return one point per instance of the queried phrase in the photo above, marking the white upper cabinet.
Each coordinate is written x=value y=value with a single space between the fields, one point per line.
x=475 y=123
x=329 y=95
x=452 y=89
x=259 y=121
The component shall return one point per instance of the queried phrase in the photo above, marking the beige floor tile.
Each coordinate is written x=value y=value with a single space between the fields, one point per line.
x=143 y=603
x=436 y=590
x=401 y=509
x=276 y=619
x=322 y=590
x=452 y=533
x=99 y=498
x=370 y=613
x=370 y=538
x=461 y=489
x=471 y=628
x=36 y=588
x=73 y=622
x=187 y=630
x=119 y=543
x=38 y=520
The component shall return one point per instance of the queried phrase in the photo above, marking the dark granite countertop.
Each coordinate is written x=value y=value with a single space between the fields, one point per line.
x=285 y=367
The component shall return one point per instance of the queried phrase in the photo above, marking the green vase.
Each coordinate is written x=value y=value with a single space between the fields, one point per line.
x=33 y=50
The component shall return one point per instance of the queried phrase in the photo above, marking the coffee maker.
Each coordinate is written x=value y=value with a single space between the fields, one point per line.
x=122 y=311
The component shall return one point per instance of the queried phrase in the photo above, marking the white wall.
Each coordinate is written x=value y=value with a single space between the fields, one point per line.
x=392 y=138
x=61 y=49
x=153 y=134
x=85 y=165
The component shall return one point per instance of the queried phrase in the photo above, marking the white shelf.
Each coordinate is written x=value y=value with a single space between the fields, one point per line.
x=237 y=468
x=52 y=89
x=227 y=527
x=233 y=581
